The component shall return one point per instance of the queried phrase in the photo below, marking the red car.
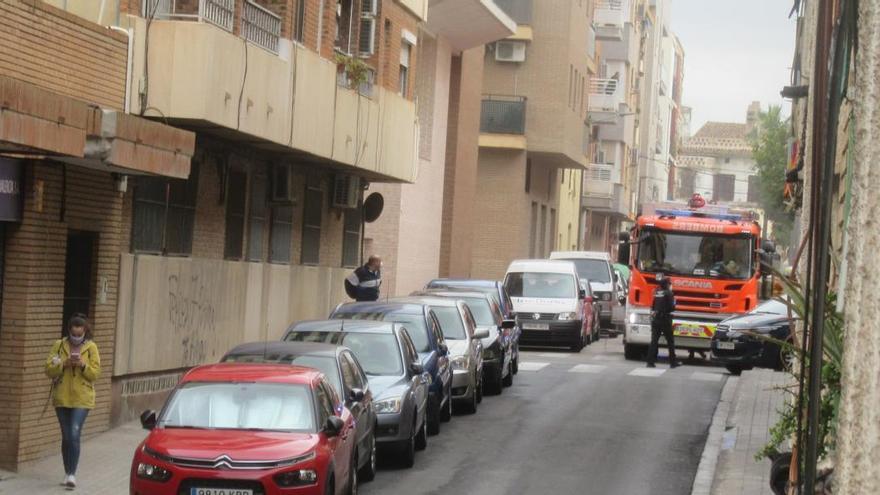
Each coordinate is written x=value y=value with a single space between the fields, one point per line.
x=247 y=429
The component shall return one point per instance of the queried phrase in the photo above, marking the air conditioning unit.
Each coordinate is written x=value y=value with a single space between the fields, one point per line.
x=510 y=51
x=346 y=191
x=282 y=184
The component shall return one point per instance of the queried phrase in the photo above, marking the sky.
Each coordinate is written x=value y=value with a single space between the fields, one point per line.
x=735 y=52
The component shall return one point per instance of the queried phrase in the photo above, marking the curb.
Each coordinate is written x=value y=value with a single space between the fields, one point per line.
x=709 y=460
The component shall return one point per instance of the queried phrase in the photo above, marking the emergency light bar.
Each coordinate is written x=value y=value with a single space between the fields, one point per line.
x=699 y=214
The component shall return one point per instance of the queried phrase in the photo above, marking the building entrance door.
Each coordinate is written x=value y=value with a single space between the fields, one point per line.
x=79 y=274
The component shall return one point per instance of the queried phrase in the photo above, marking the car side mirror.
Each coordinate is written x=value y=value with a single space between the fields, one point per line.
x=582 y=294
x=416 y=368
x=481 y=334
x=355 y=395
x=622 y=299
x=333 y=426
x=444 y=349
x=148 y=419
x=508 y=324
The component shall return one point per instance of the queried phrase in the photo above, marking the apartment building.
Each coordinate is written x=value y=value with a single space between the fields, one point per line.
x=608 y=192
x=717 y=162
x=532 y=128
x=408 y=234
x=191 y=181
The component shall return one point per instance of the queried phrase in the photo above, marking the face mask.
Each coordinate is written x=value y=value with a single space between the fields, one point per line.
x=76 y=340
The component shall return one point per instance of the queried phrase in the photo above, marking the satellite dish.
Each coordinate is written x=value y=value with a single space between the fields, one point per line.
x=373 y=206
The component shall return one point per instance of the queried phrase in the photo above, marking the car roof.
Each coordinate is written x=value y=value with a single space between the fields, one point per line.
x=251 y=372
x=587 y=255
x=337 y=325
x=542 y=266
x=451 y=294
x=286 y=348
x=381 y=307
x=464 y=282
x=428 y=300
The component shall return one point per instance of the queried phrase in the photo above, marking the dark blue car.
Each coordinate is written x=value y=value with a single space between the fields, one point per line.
x=427 y=335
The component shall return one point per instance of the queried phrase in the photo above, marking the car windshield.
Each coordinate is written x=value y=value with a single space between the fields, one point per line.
x=240 y=406
x=696 y=255
x=324 y=364
x=592 y=270
x=771 y=307
x=378 y=353
x=450 y=322
x=414 y=323
x=542 y=285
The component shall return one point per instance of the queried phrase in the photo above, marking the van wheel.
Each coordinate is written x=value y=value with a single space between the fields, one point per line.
x=634 y=352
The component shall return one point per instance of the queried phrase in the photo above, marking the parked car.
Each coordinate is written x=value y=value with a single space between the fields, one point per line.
x=343 y=372
x=752 y=340
x=498 y=346
x=595 y=266
x=427 y=336
x=395 y=374
x=465 y=347
x=247 y=428
x=497 y=291
x=549 y=303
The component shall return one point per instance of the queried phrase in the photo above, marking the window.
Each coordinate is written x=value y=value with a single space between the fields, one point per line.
x=754 y=194
x=311 y=233
x=348 y=377
x=325 y=403
x=344 y=16
x=359 y=380
x=724 y=187
x=528 y=174
x=403 y=78
x=236 y=193
x=367 y=41
x=164 y=214
x=257 y=212
x=351 y=238
x=542 y=234
x=570 y=83
x=300 y=22
x=552 y=228
x=279 y=235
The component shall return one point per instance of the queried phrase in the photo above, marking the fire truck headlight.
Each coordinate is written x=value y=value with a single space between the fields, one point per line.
x=640 y=318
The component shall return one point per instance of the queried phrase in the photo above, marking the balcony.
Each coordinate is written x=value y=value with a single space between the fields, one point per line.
x=610 y=17
x=260 y=26
x=503 y=122
x=606 y=95
x=486 y=22
x=518 y=10
x=220 y=13
x=603 y=191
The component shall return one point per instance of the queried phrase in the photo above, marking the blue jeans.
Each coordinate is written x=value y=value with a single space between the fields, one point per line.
x=71 y=420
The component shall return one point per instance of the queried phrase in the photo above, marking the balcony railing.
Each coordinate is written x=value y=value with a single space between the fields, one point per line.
x=605 y=94
x=221 y=13
x=503 y=114
x=609 y=12
x=518 y=10
x=260 y=26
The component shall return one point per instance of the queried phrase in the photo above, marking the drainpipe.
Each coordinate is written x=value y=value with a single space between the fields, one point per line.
x=130 y=64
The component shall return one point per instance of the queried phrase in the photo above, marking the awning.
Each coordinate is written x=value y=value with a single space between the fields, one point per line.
x=35 y=121
x=469 y=23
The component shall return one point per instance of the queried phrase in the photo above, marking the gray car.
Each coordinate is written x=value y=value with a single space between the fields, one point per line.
x=396 y=377
x=465 y=347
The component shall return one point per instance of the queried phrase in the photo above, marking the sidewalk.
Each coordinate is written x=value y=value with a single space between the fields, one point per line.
x=103 y=467
x=741 y=428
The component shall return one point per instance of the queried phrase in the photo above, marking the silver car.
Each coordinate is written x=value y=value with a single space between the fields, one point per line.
x=465 y=347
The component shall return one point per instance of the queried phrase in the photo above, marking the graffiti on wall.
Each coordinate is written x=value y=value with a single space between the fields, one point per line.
x=191 y=315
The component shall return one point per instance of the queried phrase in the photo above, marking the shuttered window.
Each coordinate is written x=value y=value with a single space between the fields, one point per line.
x=724 y=187
x=164 y=214
x=311 y=231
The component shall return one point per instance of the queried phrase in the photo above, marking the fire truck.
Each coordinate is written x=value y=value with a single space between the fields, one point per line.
x=712 y=255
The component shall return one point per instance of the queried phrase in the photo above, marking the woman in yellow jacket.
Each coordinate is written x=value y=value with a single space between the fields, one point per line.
x=74 y=365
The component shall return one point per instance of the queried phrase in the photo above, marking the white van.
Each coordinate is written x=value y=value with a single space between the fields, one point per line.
x=595 y=266
x=548 y=302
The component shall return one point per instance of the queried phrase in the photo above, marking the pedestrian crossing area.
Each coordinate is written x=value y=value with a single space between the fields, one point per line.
x=633 y=369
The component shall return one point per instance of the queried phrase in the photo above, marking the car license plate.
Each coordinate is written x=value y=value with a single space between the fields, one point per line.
x=221 y=491
x=536 y=326
x=726 y=345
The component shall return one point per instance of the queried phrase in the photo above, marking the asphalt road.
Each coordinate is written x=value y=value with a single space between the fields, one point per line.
x=572 y=424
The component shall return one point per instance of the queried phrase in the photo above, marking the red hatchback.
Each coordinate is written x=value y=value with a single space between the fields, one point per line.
x=247 y=429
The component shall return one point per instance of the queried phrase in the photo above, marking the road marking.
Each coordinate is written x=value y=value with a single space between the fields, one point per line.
x=605 y=357
x=707 y=377
x=553 y=355
x=587 y=368
x=651 y=372
x=532 y=366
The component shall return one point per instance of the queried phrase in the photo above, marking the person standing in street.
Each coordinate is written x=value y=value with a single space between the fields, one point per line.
x=661 y=321
x=363 y=284
x=74 y=365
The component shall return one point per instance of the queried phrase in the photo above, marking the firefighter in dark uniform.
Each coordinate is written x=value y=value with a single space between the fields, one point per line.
x=661 y=321
x=363 y=284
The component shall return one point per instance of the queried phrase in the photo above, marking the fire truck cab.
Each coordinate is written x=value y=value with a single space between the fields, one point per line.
x=712 y=256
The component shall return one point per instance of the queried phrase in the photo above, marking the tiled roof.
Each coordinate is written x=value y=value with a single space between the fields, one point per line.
x=719 y=138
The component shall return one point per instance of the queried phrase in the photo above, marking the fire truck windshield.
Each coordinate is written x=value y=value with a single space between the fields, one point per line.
x=696 y=255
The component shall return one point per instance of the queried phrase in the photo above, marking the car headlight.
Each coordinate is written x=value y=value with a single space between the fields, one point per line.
x=460 y=363
x=567 y=316
x=388 y=406
x=640 y=318
x=298 y=477
x=152 y=472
